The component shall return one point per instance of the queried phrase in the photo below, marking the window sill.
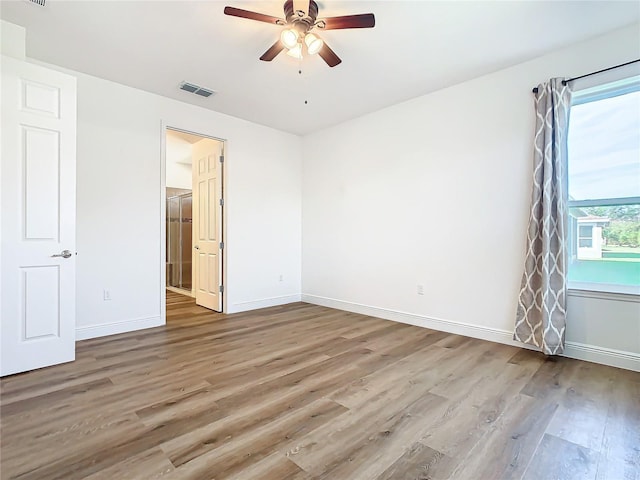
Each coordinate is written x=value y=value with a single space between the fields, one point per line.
x=598 y=291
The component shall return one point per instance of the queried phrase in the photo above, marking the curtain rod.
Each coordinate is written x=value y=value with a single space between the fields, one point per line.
x=564 y=82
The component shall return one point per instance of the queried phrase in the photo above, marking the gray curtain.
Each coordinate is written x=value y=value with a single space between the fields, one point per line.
x=541 y=314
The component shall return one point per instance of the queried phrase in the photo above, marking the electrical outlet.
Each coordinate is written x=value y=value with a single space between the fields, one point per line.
x=281 y=278
x=106 y=295
x=420 y=289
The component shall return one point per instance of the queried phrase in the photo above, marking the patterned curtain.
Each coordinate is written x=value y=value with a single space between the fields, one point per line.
x=541 y=314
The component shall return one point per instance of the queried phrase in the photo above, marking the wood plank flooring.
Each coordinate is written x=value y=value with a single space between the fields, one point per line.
x=307 y=392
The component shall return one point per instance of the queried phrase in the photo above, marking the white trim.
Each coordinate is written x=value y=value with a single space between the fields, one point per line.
x=602 y=355
x=223 y=210
x=603 y=295
x=626 y=80
x=603 y=202
x=607 y=89
x=610 y=288
x=163 y=221
x=104 y=329
x=164 y=126
x=265 y=302
x=458 y=328
x=590 y=353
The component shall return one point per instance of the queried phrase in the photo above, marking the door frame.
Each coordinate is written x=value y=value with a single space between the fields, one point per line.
x=182 y=291
x=163 y=214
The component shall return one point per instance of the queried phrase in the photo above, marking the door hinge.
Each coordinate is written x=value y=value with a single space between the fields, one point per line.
x=221 y=288
x=222 y=202
x=221 y=158
x=221 y=245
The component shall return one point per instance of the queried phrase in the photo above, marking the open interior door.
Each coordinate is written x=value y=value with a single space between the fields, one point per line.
x=207 y=157
x=38 y=205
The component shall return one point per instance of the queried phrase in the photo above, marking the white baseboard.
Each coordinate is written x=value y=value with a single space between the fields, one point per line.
x=264 y=303
x=589 y=353
x=104 y=329
x=602 y=355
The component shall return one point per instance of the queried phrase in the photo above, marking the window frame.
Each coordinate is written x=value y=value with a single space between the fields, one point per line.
x=590 y=289
x=588 y=238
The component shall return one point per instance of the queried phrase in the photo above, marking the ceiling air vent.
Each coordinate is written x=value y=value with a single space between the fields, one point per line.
x=37 y=2
x=197 y=89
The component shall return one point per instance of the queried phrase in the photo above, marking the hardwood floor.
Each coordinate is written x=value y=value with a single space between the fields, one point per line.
x=307 y=392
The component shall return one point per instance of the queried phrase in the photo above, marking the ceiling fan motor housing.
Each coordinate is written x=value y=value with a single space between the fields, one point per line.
x=301 y=23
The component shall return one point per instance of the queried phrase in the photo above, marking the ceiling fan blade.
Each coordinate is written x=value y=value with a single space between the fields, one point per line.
x=238 y=12
x=329 y=56
x=273 y=51
x=364 y=20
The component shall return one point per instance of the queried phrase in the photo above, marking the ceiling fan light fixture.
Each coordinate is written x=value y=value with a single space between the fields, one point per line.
x=296 y=51
x=295 y=38
x=289 y=38
x=314 y=44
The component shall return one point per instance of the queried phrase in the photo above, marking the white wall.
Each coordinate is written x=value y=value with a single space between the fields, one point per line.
x=178 y=163
x=119 y=214
x=435 y=191
x=13 y=40
x=405 y=196
x=12 y=44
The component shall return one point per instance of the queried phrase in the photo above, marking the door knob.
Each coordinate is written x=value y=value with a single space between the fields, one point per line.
x=197 y=247
x=63 y=254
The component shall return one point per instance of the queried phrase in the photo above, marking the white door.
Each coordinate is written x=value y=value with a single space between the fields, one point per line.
x=38 y=203
x=207 y=222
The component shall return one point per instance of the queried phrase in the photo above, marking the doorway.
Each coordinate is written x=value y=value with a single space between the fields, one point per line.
x=193 y=217
x=179 y=241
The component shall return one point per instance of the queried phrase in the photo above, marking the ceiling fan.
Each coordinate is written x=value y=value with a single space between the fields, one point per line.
x=297 y=36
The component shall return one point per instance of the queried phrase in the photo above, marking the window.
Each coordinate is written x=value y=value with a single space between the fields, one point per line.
x=585 y=238
x=604 y=188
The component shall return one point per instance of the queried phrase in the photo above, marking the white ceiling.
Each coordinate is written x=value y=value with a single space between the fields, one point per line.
x=416 y=47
